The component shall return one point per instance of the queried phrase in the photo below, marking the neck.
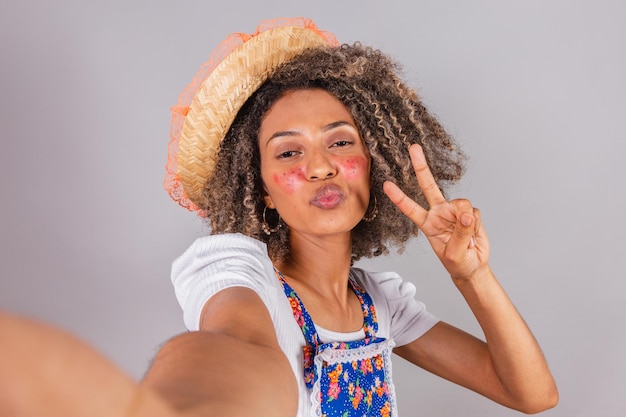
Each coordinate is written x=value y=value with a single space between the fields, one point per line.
x=321 y=265
x=318 y=269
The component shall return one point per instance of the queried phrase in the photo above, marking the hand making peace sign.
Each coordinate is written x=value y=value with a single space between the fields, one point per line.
x=453 y=228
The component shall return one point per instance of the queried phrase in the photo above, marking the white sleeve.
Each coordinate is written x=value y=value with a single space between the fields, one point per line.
x=409 y=317
x=213 y=263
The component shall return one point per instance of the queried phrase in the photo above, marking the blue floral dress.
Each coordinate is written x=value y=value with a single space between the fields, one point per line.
x=346 y=379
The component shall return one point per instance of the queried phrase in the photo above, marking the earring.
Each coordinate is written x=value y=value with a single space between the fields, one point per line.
x=369 y=217
x=267 y=229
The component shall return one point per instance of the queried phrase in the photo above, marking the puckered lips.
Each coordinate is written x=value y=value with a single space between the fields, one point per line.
x=328 y=197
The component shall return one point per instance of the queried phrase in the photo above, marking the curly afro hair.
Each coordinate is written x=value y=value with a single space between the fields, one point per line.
x=390 y=117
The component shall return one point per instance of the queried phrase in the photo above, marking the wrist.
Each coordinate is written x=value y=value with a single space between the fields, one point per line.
x=478 y=276
x=482 y=292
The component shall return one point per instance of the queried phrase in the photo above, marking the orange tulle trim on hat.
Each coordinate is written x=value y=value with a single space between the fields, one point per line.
x=172 y=183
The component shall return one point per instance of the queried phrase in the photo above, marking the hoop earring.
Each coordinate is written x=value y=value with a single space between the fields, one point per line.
x=369 y=217
x=267 y=229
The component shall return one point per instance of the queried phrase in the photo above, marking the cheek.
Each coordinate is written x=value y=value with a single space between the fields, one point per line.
x=289 y=181
x=355 y=167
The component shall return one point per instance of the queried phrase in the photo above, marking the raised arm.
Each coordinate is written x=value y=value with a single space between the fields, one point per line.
x=510 y=367
x=233 y=366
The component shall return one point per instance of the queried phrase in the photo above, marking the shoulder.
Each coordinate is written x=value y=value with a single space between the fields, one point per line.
x=389 y=291
x=386 y=283
x=396 y=306
x=217 y=262
x=224 y=245
x=232 y=252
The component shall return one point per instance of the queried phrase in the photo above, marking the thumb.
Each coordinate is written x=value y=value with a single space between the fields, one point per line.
x=463 y=236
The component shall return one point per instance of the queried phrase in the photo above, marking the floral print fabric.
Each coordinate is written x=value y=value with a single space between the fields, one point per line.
x=346 y=378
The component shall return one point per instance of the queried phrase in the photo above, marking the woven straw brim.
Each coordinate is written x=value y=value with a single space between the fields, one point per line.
x=224 y=92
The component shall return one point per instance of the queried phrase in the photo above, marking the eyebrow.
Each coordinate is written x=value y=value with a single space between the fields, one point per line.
x=328 y=127
x=335 y=125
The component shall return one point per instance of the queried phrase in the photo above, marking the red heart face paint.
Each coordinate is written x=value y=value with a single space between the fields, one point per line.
x=289 y=179
x=354 y=167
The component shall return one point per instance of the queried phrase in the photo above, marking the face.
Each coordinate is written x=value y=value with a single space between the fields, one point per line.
x=314 y=165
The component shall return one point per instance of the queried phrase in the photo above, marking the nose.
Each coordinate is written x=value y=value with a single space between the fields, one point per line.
x=320 y=166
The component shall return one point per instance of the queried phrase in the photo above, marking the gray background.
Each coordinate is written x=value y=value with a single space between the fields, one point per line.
x=534 y=90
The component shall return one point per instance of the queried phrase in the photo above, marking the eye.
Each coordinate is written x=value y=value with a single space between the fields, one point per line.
x=286 y=154
x=341 y=143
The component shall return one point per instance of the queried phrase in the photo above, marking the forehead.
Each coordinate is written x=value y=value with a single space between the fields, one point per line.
x=297 y=108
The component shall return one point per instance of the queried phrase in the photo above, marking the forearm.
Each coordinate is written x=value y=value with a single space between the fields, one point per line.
x=47 y=372
x=514 y=352
x=209 y=373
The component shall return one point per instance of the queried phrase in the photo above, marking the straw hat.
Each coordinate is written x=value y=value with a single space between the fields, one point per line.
x=208 y=106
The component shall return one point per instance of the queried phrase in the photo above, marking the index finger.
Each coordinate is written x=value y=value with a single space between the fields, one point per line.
x=425 y=178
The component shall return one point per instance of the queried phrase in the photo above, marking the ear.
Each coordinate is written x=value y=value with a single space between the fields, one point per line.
x=266 y=197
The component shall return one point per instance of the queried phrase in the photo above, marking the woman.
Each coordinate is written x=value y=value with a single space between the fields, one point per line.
x=317 y=160
x=306 y=158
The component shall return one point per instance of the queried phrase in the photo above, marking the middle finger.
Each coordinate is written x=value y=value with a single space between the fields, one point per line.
x=425 y=178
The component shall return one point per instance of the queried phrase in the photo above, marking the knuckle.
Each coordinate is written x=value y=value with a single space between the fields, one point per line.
x=430 y=187
x=461 y=233
x=463 y=203
x=449 y=256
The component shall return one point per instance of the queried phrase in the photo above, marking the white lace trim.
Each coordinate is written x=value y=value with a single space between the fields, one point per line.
x=334 y=356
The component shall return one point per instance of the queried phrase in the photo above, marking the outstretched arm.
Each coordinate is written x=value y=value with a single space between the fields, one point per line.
x=47 y=372
x=510 y=367
x=232 y=367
